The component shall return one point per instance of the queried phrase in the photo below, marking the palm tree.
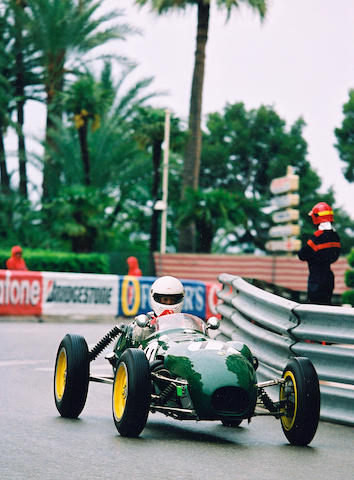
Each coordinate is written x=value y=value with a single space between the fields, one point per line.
x=149 y=130
x=20 y=87
x=193 y=146
x=4 y=176
x=149 y=133
x=63 y=31
x=6 y=96
x=83 y=103
x=21 y=75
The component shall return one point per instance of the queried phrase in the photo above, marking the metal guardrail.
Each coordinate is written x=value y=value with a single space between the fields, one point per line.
x=277 y=328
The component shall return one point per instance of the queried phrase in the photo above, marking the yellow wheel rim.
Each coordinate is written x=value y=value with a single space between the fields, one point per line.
x=290 y=384
x=60 y=374
x=120 y=391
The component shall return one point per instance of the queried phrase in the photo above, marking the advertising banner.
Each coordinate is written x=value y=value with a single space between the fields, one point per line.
x=135 y=296
x=76 y=293
x=20 y=292
x=195 y=298
x=56 y=293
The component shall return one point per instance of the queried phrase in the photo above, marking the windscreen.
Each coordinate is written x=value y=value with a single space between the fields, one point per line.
x=183 y=321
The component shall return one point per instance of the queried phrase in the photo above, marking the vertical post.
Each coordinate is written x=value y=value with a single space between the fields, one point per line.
x=165 y=182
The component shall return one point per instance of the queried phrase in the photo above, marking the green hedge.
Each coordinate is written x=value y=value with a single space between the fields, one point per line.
x=45 y=260
x=349 y=278
x=118 y=261
x=348 y=296
x=351 y=258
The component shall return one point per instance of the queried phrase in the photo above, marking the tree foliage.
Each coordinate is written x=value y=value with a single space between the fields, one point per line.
x=80 y=218
x=345 y=138
x=243 y=150
x=215 y=209
x=110 y=162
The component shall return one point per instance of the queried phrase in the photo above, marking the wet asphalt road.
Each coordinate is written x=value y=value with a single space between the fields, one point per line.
x=36 y=443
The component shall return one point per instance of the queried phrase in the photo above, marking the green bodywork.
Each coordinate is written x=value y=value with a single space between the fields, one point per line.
x=206 y=364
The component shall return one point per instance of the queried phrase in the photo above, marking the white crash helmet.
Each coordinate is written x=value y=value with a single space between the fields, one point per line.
x=167 y=293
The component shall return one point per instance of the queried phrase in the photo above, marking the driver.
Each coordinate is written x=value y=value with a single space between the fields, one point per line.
x=166 y=296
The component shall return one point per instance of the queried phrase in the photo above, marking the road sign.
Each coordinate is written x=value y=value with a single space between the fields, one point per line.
x=288 y=245
x=285 y=231
x=288 y=215
x=280 y=185
x=284 y=201
x=284 y=189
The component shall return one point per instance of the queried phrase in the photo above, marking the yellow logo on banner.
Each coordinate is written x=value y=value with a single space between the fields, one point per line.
x=127 y=310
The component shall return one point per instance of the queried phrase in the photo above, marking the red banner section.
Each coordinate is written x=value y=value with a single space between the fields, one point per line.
x=212 y=299
x=20 y=292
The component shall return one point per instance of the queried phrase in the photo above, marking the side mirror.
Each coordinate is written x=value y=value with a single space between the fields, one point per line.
x=213 y=323
x=142 y=320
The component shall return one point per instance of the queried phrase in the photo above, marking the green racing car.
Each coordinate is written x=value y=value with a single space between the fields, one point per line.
x=174 y=367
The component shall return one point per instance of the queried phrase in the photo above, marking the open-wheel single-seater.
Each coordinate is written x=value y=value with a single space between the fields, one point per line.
x=174 y=367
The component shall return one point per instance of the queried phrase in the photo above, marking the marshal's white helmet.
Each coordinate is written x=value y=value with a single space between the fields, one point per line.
x=167 y=293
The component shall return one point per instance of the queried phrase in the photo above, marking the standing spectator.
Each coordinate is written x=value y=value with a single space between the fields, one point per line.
x=16 y=262
x=133 y=265
x=322 y=249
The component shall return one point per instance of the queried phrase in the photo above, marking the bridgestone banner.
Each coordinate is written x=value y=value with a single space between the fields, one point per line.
x=76 y=293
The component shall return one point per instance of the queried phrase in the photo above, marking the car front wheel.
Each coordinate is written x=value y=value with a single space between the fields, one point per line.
x=71 y=376
x=300 y=395
x=131 y=393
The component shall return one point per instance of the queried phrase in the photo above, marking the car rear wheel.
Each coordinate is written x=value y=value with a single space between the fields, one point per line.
x=71 y=376
x=301 y=395
x=131 y=393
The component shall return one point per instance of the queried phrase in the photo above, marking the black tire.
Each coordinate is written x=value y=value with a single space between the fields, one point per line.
x=301 y=393
x=231 y=423
x=71 y=376
x=131 y=393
